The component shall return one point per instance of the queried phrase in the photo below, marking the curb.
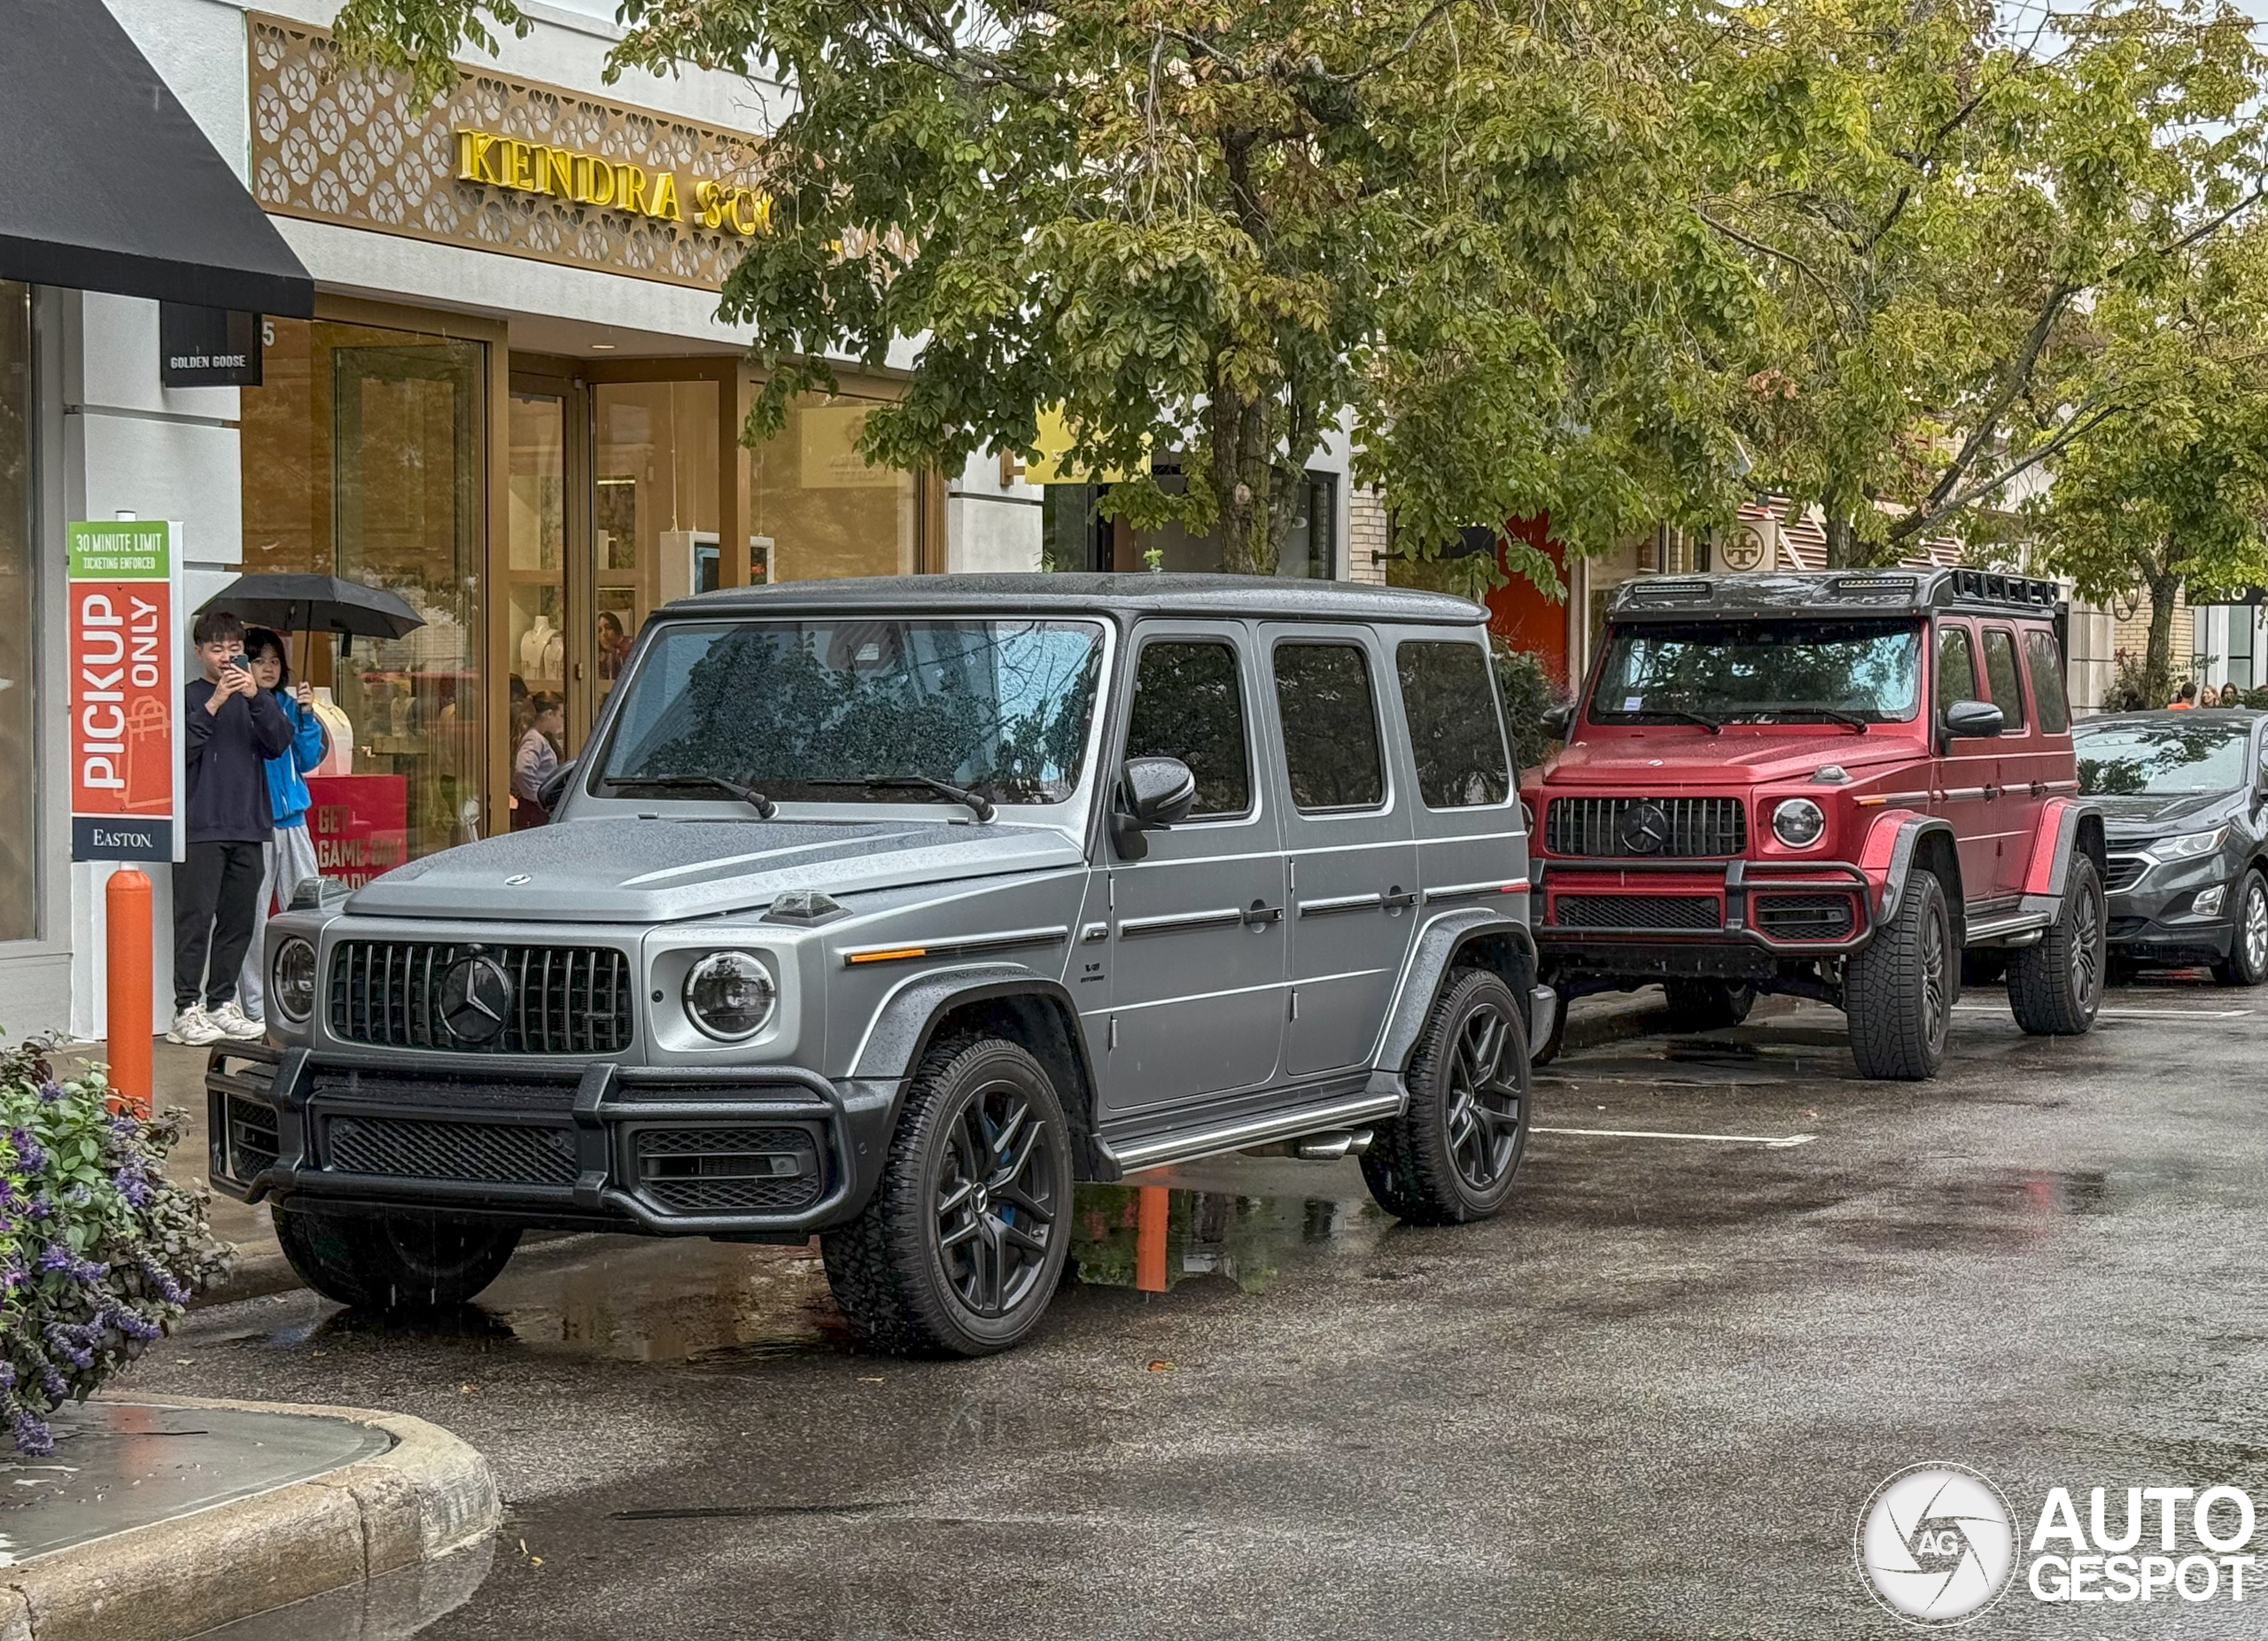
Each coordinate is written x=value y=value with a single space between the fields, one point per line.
x=427 y=1495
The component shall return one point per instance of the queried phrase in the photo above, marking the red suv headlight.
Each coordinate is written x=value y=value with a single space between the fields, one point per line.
x=1798 y=822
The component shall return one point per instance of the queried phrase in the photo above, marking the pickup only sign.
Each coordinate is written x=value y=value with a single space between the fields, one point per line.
x=124 y=611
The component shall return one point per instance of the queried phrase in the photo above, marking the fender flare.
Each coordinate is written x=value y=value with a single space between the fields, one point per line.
x=1427 y=970
x=1890 y=845
x=2066 y=826
x=901 y=1029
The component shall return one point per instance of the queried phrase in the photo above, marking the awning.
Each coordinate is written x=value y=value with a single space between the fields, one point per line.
x=110 y=186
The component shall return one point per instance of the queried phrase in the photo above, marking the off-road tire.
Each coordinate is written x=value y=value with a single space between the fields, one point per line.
x=1544 y=1052
x=904 y=1289
x=2247 y=963
x=1707 y=1004
x=393 y=1262
x=2055 y=985
x=1898 y=990
x=1451 y=1157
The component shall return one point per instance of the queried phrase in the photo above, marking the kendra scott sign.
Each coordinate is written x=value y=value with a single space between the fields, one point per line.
x=593 y=180
x=498 y=164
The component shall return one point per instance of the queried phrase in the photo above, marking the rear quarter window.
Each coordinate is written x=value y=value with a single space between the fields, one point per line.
x=2044 y=662
x=1456 y=735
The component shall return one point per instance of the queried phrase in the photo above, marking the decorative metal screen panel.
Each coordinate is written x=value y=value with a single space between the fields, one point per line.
x=356 y=148
x=1686 y=826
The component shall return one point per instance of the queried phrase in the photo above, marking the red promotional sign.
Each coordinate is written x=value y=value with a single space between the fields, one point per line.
x=125 y=776
x=360 y=825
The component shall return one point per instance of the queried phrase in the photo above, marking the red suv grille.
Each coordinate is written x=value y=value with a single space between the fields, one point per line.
x=1679 y=827
x=1636 y=911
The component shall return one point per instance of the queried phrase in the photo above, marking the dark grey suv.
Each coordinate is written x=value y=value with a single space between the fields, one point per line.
x=886 y=910
x=2184 y=797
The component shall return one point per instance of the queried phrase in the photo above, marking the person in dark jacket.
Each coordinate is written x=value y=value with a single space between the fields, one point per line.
x=230 y=729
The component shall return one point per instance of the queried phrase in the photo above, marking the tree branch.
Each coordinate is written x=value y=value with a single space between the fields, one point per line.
x=1932 y=513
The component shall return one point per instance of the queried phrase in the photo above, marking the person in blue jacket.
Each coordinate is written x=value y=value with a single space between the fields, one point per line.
x=291 y=856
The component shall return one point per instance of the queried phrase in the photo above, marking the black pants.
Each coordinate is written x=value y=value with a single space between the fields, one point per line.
x=216 y=895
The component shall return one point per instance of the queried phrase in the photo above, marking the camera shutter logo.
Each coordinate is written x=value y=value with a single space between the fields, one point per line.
x=1937 y=1543
x=475 y=998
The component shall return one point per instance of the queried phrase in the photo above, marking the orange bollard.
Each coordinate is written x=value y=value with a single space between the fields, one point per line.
x=1153 y=1206
x=126 y=906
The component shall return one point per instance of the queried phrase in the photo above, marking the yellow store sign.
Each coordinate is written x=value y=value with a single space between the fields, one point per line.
x=588 y=179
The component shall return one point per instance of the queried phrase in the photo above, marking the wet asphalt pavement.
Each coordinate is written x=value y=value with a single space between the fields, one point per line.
x=1649 y=1401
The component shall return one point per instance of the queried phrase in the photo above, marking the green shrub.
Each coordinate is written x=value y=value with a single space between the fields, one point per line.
x=1528 y=692
x=98 y=1250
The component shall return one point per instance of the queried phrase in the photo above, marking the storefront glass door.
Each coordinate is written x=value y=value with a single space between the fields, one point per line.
x=654 y=509
x=537 y=623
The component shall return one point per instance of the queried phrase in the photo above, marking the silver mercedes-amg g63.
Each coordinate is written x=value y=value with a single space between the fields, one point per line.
x=886 y=910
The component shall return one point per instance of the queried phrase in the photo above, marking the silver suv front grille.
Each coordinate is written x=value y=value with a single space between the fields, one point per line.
x=1684 y=827
x=562 y=999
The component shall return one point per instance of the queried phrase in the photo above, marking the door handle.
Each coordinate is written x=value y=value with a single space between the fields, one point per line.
x=1261 y=915
x=1398 y=899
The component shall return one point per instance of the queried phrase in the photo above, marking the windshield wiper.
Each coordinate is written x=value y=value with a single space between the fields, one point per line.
x=1702 y=719
x=978 y=805
x=1832 y=713
x=763 y=807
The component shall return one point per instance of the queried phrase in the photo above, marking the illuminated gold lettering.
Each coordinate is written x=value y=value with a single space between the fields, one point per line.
x=632 y=196
x=472 y=149
x=594 y=180
x=742 y=197
x=519 y=165
x=559 y=173
x=664 y=202
x=704 y=195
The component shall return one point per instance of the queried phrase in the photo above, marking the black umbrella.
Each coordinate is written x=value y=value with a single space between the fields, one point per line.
x=292 y=602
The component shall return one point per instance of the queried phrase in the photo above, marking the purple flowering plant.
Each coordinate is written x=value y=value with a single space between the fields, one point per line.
x=98 y=1250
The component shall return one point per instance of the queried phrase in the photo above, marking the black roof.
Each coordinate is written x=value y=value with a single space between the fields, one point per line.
x=1838 y=592
x=1265 y=597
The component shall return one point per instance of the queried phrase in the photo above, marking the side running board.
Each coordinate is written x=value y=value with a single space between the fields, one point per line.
x=1188 y=1147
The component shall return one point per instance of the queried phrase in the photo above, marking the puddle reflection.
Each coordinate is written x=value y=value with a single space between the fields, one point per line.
x=634 y=1299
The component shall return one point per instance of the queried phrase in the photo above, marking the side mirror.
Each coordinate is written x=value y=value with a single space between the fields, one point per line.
x=1159 y=792
x=554 y=787
x=1973 y=721
x=1558 y=721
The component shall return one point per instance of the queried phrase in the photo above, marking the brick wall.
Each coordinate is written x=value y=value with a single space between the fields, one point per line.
x=1366 y=535
x=2132 y=635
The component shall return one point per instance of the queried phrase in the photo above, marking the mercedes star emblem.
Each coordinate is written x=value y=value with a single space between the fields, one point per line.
x=1645 y=828
x=475 y=998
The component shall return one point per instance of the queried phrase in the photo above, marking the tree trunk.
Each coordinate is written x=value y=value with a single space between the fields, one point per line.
x=2157 y=659
x=1840 y=539
x=1242 y=471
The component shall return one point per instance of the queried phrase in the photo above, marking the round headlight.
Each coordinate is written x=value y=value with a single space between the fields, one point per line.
x=294 y=987
x=729 y=995
x=1798 y=822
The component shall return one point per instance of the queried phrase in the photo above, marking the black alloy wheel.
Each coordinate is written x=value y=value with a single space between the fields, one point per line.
x=997 y=1200
x=959 y=1250
x=1452 y=1155
x=1899 y=989
x=2055 y=985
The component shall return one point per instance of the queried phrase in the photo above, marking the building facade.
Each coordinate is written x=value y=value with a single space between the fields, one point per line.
x=512 y=404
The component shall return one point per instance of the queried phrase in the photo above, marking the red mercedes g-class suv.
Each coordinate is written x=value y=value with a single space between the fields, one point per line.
x=1830 y=784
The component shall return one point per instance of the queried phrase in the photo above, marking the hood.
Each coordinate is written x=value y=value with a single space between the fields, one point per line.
x=661 y=871
x=2145 y=815
x=1678 y=758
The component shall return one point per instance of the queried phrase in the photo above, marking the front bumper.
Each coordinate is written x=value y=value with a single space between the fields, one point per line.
x=2156 y=919
x=775 y=1153
x=1735 y=919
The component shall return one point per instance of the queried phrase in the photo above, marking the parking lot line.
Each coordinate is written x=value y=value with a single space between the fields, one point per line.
x=1777 y=1141
x=2122 y=1013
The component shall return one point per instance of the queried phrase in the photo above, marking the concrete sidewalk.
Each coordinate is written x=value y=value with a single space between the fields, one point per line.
x=161 y=1519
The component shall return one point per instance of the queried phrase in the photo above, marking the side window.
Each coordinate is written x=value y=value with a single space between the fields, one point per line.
x=1188 y=704
x=2046 y=669
x=1454 y=731
x=1956 y=667
x=1331 y=727
x=2001 y=670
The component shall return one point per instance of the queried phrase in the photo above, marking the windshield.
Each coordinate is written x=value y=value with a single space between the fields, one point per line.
x=2175 y=759
x=815 y=709
x=1750 y=671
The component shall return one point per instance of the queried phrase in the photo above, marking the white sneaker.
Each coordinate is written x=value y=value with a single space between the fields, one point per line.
x=194 y=1027
x=231 y=1021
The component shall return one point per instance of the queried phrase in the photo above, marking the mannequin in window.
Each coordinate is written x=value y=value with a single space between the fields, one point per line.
x=542 y=648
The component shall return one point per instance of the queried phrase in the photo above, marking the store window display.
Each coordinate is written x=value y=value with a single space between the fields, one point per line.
x=820 y=508
x=655 y=506
x=361 y=453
